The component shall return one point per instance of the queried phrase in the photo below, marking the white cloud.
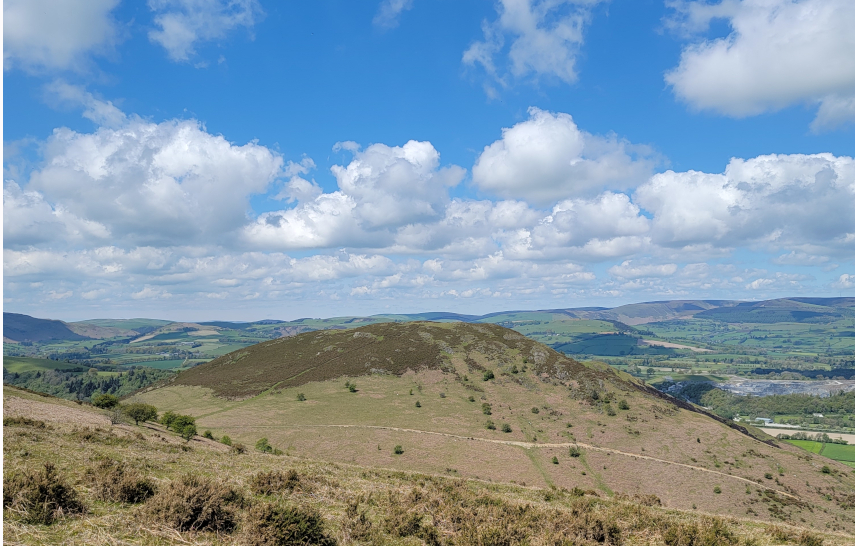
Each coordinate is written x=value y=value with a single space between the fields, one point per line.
x=186 y=23
x=56 y=34
x=547 y=158
x=166 y=183
x=381 y=189
x=389 y=12
x=99 y=111
x=629 y=270
x=149 y=292
x=845 y=281
x=778 y=53
x=544 y=35
x=803 y=201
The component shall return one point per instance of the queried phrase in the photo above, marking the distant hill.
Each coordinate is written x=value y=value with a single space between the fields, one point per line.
x=19 y=327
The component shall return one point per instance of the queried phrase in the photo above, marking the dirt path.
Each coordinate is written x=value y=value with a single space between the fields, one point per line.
x=530 y=445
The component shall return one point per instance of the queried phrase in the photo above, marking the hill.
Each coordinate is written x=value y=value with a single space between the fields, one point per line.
x=126 y=484
x=19 y=327
x=483 y=402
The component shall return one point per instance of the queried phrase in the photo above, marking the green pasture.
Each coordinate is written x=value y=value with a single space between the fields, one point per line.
x=17 y=364
x=836 y=452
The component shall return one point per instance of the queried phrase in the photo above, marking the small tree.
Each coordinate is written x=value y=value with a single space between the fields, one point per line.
x=105 y=401
x=554 y=460
x=623 y=405
x=490 y=425
x=399 y=450
x=187 y=431
x=226 y=439
x=301 y=397
x=488 y=375
x=418 y=404
x=487 y=409
x=141 y=412
x=506 y=427
x=208 y=435
x=168 y=418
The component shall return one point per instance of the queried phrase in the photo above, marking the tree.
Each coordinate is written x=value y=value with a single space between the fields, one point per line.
x=105 y=401
x=141 y=412
x=187 y=431
x=263 y=446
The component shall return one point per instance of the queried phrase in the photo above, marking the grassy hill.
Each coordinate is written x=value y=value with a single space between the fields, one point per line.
x=126 y=484
x=479 y=401
x=19 y=327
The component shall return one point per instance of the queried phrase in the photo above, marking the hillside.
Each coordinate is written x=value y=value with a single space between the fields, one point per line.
x=483 y=402
x=144 y=485
x=19 y=327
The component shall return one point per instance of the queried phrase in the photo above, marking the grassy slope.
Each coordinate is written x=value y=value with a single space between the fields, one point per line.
x=652 y=448
x=18 y=364
x=78 y=437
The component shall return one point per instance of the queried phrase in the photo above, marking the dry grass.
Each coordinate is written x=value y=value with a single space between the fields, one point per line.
x=40 y=496
x=195 y=503
x=113 y=481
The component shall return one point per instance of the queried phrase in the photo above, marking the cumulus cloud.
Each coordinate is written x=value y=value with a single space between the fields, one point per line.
x=845 y=281
x=778 y=53
x=382 y=188
x=547 y=158
x=186 y=23
x=43 y=35
x=776 y=200
x=166 y=183
x=389 y=12
x=630 y=270
x=544 y=35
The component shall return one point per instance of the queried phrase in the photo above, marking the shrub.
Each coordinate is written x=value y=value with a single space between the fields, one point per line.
x=208 y=435
x=623 y=405
x=269 y=524
x=514 y=369
x=826 y=470
x=238 y=448
x=442 y=395
x=352 y=387
x=263 y=446
x=808 y=539
x=487 y=409
x=471 y=398
x=490 y=425
x=716 y=490
x=39 y=496
x=488 y=375
x=535 y=411
x=554 y=460
x=610 y=411
x=195 y=503
x=113 y=481
x=268 y=483
x=226 y=439
x=23 y=422
x=418 y=404
x=709 y=531
x=140 y=412
x=506 y=427
x=398 y=450
x=168 y=418
x=575 y=451
x=187 y=431
x=301 y=397
x=768 y=475
x=105 y=401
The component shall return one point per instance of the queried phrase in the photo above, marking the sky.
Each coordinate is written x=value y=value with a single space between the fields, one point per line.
x=252 y=159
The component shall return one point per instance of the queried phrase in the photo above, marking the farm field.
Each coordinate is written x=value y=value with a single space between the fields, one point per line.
x=836 y=452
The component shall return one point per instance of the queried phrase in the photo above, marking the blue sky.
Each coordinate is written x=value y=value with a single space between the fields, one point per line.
x=243 y=159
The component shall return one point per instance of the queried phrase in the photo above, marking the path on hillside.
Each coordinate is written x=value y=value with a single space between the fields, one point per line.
x=529 y=445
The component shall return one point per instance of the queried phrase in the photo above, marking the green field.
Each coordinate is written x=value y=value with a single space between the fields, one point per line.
x=837 y=452
x=15 y=364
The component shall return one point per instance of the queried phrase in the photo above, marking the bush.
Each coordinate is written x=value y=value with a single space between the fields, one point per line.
x=23 y=422
x=535 y=411
x=709 y=531
x=768 y=475
x=39 y=496
x=113 y=481
x=471 y=398
x=168 y=418
x=398 y=450
x=623 y=405
x=808 y=539
x=554 y=460
x=268 y=483
x=140 y=412
x=716 y=490
x=263 y=446
x=105 y=401
x=187 y=431
x=226 y=439
x=442 y=395
x=826 y=470
x=610 y=411
x=301 y=397
x=195 y=503
x=487 y=409
x=506 y=427
x=208 y=435
x=418 y=404
x=238 y=448
x=575 y=451
x=269 y=524
x=490 y=425
x=488 y=375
